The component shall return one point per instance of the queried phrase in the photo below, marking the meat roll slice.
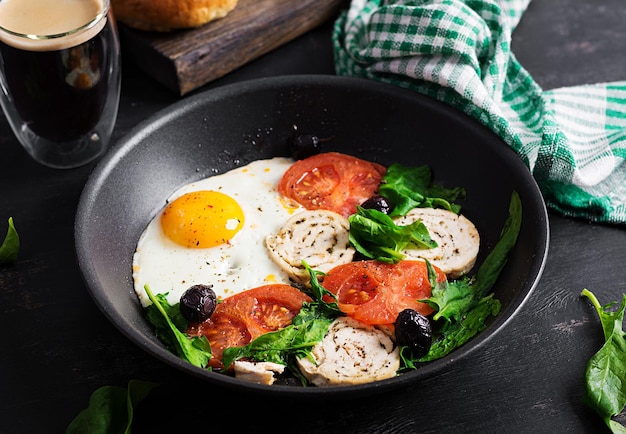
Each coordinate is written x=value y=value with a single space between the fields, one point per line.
x=457 y=238
x=319 y=237
x=351 y=353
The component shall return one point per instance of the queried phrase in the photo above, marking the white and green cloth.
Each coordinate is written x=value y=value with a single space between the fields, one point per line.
x=572 y=139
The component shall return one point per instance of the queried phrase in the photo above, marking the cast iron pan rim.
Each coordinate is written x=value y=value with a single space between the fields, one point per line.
x=178 y=109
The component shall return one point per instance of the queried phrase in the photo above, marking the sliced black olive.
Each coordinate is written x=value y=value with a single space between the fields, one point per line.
x=304 y=145
x=379 y=203
x=413 y=330
x=198 y=303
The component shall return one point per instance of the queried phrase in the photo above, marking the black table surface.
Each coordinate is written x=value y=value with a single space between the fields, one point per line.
x=58 y=347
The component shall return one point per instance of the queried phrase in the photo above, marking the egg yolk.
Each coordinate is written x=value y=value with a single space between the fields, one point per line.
x=202 y=219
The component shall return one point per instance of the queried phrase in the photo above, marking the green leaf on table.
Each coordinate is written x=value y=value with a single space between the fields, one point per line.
x=168 y=322
x=605 y=375
x=111 y=409
x=10 y=247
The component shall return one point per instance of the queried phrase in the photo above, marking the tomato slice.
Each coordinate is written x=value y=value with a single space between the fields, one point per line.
x=243 y=317
x=375 y=293
x=223 y=331
x=331 y=181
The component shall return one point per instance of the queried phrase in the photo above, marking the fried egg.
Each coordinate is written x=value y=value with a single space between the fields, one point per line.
x=213 y=232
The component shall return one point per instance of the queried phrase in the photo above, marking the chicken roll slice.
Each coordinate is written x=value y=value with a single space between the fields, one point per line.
x=456 y=236
x=351 y=353
x=257 y=372
x=319 y=237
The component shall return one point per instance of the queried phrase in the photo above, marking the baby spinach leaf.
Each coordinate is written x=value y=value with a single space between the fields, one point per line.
x=317 y=292
x=297 y=339
x=410 y=187
x=195 y=350
x=159 y=321
x=375 y=235
x=455 y=333
x=605 y=375
x=111 y=409
x=464 y=304
x=10 y=247
x=451 y=300
x=493 y=264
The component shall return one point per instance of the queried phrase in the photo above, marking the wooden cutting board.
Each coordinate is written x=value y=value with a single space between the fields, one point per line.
x=187 y=59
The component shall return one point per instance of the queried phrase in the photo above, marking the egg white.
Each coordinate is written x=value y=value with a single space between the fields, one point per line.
x=243 y=263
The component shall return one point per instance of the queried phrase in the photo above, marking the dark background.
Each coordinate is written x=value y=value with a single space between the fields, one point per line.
x=57 y=347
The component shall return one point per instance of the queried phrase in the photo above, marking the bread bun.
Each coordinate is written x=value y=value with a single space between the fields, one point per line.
x=168 y=15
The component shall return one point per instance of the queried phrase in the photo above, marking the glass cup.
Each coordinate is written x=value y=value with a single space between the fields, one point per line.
x=60 y=77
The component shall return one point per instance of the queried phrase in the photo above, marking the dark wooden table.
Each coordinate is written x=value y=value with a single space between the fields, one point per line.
x=57 y=347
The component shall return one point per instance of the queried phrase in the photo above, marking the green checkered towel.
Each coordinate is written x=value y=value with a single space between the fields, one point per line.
x=459 y=51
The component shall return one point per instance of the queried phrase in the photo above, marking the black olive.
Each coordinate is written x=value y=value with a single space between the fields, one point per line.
x=413 y=330
x=379 y=203
x=198 y=303
x=304 y=145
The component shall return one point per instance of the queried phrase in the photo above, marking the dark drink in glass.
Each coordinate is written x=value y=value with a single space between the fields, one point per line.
x=60 y=76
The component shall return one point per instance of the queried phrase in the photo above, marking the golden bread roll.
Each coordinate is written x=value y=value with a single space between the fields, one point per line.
x=168 y=15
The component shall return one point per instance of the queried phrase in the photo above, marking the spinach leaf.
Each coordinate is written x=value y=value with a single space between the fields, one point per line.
x=168 y=323
x=605 y=375
x=464 y=304
x=11 y=245
x=490 y=269
x=451 y=300
x=317 y=292
x=111 y=409
x=375 y=235
x=410 y=187
x=455 y=333
x=297 y=339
